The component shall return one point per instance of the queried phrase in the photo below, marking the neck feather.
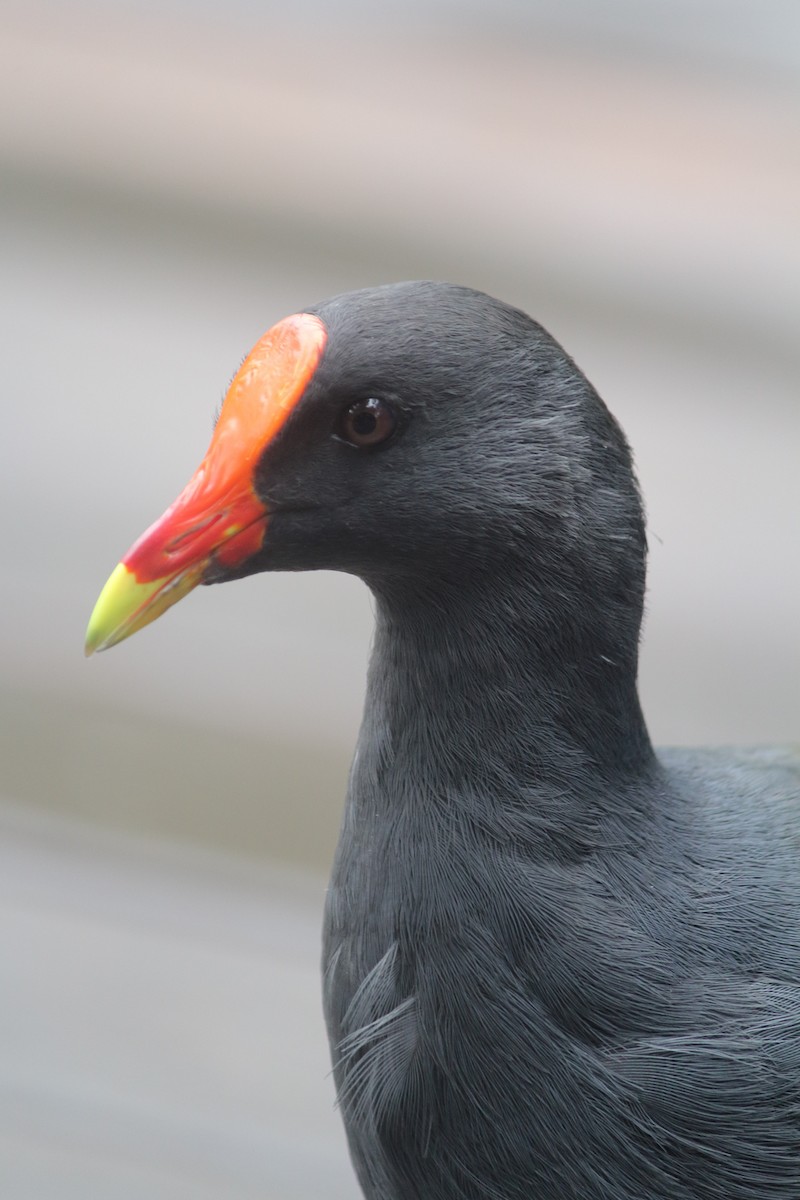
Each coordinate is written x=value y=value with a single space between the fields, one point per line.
x=489 y=694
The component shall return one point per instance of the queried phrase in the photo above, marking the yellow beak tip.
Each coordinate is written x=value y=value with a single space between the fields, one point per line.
x=93 y=642
x=125 y=605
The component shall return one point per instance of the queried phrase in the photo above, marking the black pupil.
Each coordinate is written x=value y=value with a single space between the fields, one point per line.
x=364 y=422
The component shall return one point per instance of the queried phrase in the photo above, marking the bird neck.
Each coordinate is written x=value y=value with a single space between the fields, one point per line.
x=491 y=682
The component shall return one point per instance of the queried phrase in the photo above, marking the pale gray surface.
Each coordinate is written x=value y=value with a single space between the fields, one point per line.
x=161 y=1028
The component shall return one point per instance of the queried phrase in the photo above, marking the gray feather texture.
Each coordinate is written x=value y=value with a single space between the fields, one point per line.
x=558 y=965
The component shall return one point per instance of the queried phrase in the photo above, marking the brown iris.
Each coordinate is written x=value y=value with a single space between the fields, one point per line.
x=368 y=422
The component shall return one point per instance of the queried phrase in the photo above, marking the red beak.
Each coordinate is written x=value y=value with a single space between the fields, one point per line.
x=218 y=517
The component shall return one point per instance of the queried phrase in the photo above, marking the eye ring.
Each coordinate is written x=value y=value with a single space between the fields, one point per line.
x=367 y=423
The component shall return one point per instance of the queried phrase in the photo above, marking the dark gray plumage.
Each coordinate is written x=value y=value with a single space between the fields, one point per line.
x=558 y=966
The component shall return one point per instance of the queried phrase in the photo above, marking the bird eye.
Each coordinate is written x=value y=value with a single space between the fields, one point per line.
x=368 y=423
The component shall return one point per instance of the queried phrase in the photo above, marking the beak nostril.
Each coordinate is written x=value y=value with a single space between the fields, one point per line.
x=178 y=544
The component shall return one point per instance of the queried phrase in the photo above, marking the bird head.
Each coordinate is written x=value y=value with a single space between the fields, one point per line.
x=415 y=431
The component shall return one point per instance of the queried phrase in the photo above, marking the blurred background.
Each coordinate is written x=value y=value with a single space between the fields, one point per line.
x=175 y=177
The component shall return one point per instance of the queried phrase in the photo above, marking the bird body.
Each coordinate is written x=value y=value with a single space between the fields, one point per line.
x=557 y=964
x=617 y=1021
